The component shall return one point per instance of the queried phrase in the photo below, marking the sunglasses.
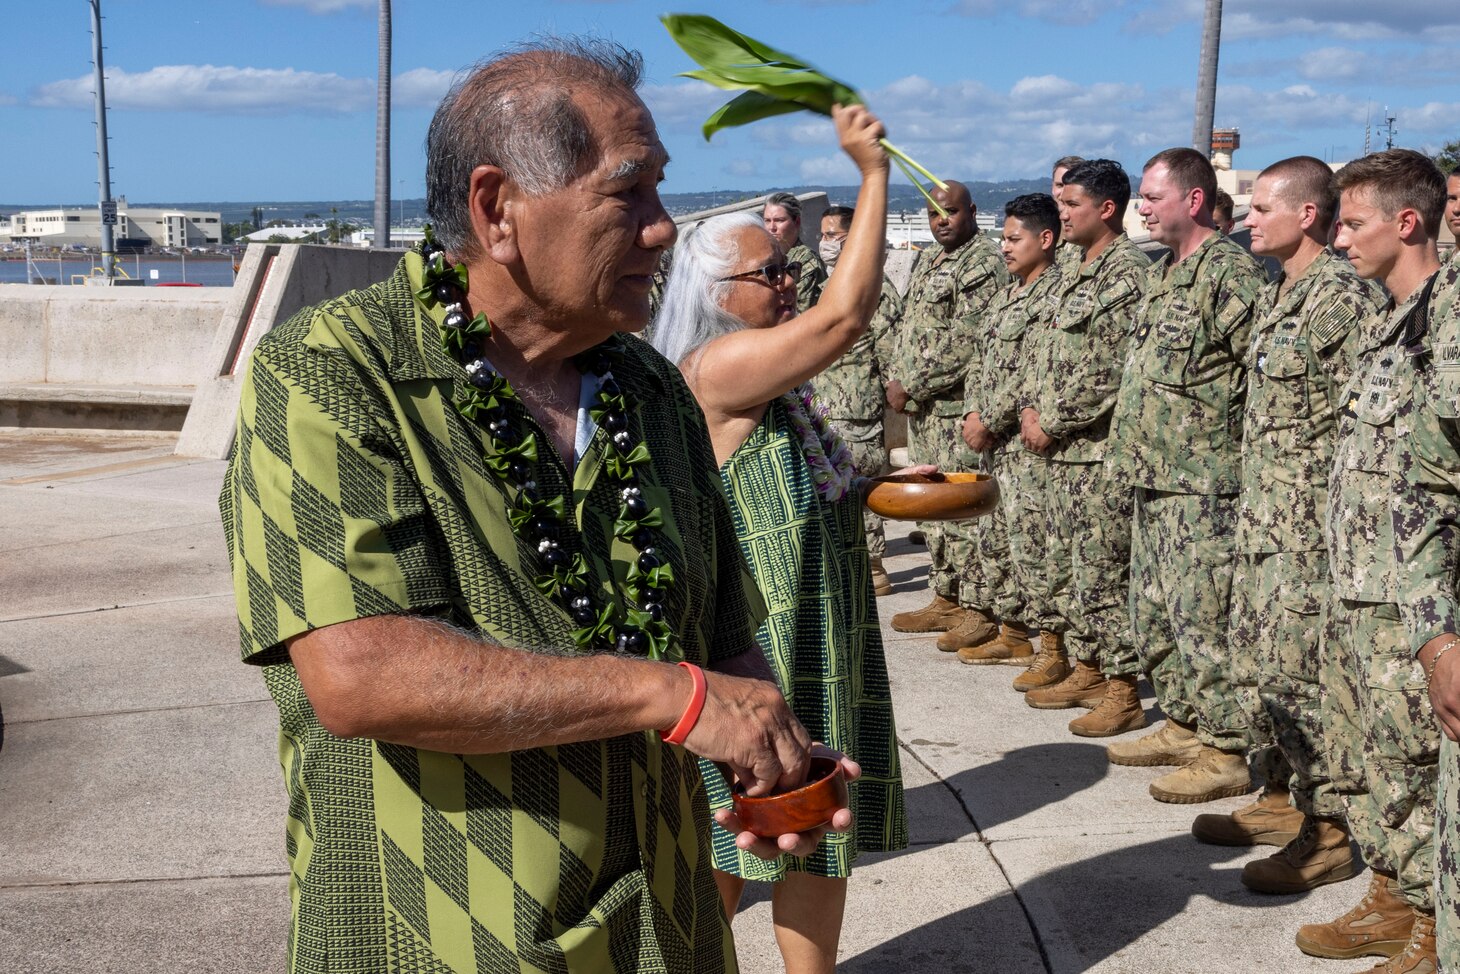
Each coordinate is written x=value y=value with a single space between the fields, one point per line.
x=772 y=274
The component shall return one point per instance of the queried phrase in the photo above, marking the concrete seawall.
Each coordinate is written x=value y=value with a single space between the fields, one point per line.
x=103 y=357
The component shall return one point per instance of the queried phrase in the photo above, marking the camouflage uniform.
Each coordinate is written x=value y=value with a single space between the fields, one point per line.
x=852 y=389
x=940 y=332
x=1378 y=725
x=1300 y=358
x=1175 y=437
x=813 y=275
x=1014 y=576
x=1426 y=519
x=1078 y=373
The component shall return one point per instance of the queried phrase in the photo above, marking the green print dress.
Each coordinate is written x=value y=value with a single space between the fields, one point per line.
x=809 y=559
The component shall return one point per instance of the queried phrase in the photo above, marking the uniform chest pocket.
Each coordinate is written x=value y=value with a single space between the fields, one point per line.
x=1171 y=346
x=1442 y=384
x=1281 y=387
x=1373 y=436
x=1074 y=315
x=939 y=287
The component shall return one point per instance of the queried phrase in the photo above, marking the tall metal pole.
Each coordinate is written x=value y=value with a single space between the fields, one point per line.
x=108 y=210
x=382 y=130
x=1206 y=80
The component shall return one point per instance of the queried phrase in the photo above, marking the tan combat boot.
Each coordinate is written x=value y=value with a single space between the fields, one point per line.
x=1172 y=745
x=1119 y=711
x=1048 y=668
x=1083 y=686
x=1012 y=646
x=939 y=615
x=1420 y=954
x=978 y=628
x=1271 y=820
x=1318 y=856
x=1379 y=926
x=881 y=584
x=1213 y=774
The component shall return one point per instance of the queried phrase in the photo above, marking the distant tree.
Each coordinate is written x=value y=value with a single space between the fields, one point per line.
x=280 y=238
x=335 y=228
x=311 y=216
x=1448 y=158
x=277 y=223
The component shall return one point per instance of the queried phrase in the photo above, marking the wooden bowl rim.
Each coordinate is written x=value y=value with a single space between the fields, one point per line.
x=832 y=772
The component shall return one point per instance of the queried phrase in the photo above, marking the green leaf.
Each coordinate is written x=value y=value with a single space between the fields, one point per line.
x=751 y=106
x=713 y=44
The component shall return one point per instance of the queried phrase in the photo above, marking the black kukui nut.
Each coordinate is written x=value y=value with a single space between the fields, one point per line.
x=632 y=641
x=584 y=615
x=455 y=320
x=648 y=561
x=555 y=558
x=611 y=387
x=444 y=292
x=642 y=538
x=635 y=507
x=518 y=473
x=615 y=421
x=655 y=610
x=481 y=378
x=542 y=527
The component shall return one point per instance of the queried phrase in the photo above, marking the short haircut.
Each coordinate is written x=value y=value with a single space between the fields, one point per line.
x=1398 y=179
x=1190 y=170
x=1102 y=179
x=1037 y=211
x=787 y=200
x=1066 y=162
x=1223 y=201
x=1305 y=179
x=843 y=215
x=518 y=111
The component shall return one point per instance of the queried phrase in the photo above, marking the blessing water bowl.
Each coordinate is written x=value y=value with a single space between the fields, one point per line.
x=951 y=496
x=799 y=810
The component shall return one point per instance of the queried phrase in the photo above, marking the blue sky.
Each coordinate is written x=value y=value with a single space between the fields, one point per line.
x=275 y=99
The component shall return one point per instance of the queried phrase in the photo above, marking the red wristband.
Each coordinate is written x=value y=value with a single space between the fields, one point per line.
x=691 y=715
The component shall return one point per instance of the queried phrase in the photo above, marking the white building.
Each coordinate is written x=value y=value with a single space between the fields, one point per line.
x=136 y=227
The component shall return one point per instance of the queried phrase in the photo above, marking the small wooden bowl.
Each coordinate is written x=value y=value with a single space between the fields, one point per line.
x=799 y=810
x=933 y=497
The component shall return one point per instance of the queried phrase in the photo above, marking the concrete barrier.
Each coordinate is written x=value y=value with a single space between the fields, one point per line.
x=102 y=358
x=273 y=282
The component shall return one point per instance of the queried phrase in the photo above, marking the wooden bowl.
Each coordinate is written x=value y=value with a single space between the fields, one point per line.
x=799 y=810
x=933 y=497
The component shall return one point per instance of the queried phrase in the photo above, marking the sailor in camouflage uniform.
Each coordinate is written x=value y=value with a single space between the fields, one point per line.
x=1077 y=373
x=1175 y=438
x=852 y=387
x=1394 y=494
x=1068 y=254
x=940 y=332
x=1299 y=360
x=1014 y=573
x=782 y=215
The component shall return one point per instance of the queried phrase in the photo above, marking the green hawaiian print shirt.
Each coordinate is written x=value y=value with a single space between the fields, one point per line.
x=356 y=489
x=1177 y=424
x=1427 y=510
x=1076 y=360
x=944 y=323
x=1300 y=358
x=854 y=386
x=997 y=385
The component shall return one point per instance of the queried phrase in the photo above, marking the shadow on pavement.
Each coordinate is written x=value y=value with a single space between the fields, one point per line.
x=1089 y=910
x=1023 y=780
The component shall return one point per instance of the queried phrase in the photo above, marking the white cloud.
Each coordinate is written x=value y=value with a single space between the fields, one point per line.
x=1420 y=21
x=325 y=6
x=8 y=99
x=683 y=102
x=1074 y=12
x=420 y=87
x=214 y=89
x=229 y=90
x=835 y=170
x=742 y=167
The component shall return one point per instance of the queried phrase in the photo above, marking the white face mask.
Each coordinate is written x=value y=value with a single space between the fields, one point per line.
x=830 y=250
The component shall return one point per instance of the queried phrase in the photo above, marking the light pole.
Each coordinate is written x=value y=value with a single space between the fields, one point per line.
x=382 y=128
x=1206 y=83
x=103 y=165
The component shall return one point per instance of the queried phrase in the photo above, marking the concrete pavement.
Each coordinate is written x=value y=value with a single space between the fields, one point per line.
x=141 y=808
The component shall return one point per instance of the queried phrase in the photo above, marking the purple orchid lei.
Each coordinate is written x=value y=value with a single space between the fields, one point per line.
x=826 y=453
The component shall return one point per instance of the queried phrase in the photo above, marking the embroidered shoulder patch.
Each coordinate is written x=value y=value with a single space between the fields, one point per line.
x=1335 y=322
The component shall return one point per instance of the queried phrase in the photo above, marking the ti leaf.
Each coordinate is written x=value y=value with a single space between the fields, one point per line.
x=748 y=106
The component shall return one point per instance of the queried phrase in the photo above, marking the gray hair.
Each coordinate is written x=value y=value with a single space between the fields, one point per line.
x=516 y=111
x=690 y=316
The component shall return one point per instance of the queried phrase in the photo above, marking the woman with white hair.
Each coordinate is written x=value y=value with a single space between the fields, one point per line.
x=729 y=321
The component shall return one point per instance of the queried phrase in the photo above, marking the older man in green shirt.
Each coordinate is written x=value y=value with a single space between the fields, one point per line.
x=473 y=529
